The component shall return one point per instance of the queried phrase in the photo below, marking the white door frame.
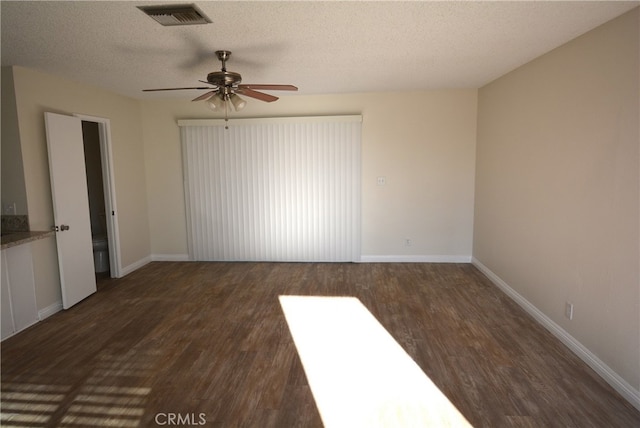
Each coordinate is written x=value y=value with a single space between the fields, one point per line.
x=108 y=179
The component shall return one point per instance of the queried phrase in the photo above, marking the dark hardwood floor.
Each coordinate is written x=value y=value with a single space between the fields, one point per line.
x=208 y=343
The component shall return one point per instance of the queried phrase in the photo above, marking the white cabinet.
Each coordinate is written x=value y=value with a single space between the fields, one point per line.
x=19 y=308
x=6 y=317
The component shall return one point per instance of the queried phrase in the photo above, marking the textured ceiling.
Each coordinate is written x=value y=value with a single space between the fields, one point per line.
x=322 y=47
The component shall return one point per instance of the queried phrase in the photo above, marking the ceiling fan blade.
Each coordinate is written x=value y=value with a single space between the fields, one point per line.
x=175 y=89
x=204 y=96
x=269 y=87
x=255 y=94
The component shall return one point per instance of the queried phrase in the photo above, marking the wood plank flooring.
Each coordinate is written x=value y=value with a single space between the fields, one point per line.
x=208 y=342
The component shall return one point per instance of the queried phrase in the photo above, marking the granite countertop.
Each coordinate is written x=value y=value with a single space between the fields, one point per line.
x=11 y=239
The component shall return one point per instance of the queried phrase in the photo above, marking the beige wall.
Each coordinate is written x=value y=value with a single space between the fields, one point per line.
x=557 y=188
x=13 y=187
x=422 y=142
x=36 y=93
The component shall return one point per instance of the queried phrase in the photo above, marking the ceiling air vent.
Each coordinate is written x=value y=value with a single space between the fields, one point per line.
x=181 y=14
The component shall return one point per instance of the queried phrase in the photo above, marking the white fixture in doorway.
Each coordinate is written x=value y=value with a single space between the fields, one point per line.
x=100 y=254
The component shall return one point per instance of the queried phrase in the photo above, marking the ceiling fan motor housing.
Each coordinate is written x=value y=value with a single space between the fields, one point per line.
x=224 y=78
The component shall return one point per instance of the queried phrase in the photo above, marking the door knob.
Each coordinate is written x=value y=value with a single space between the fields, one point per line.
x=64 y=227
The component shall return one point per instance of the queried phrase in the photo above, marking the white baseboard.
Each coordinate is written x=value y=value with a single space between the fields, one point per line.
x=170 y=257
x=153 y=258
x=134 y=266
x=363 y=259
x=50 y=310
x=611 y=377
x=22 y=329
x=415 y=259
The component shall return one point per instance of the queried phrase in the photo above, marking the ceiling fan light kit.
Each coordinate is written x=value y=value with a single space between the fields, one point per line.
x=225 y=87
x=238 y=103
x=216 y=102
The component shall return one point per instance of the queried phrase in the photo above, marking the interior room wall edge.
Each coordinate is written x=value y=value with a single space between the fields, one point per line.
x=630 y=393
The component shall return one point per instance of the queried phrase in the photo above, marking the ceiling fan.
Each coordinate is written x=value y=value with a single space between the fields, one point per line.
x=225 y=87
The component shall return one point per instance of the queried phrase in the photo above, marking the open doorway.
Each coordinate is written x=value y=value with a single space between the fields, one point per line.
x=102 y=212
x=95 y=189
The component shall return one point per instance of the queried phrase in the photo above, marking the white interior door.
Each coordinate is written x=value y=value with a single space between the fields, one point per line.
x=70 y=207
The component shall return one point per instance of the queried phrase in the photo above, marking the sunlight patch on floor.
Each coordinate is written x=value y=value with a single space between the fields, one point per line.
x=358 y=374
x=34 y=405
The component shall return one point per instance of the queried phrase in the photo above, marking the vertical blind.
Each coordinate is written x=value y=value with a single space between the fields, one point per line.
x=285 y=189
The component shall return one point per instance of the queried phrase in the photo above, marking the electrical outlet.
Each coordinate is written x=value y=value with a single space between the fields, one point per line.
x=9 y=209
x=382 y=181
x=408 y=242
x=568 y=310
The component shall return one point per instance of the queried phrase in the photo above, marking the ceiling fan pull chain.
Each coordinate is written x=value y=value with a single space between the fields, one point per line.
x=226 y=115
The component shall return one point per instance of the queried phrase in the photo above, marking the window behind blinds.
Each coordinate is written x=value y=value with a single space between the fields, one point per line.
x=284 y=189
